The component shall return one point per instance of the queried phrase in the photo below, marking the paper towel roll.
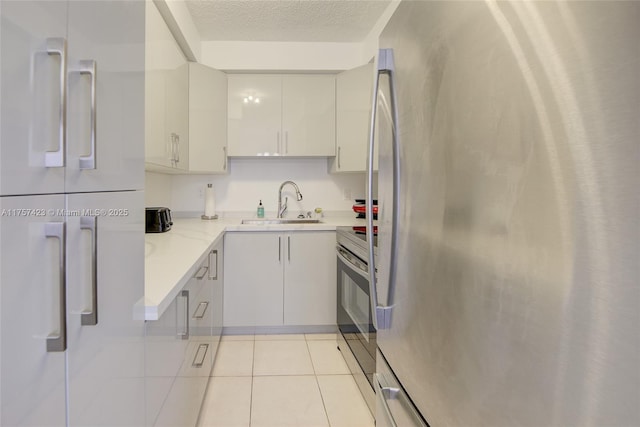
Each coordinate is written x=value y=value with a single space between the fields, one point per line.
x=209 y=201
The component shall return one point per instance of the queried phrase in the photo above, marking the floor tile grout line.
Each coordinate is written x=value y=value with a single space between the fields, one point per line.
x=324 y=405
x=253 y=362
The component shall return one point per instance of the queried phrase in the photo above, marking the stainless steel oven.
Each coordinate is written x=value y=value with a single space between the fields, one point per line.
x=357 y=338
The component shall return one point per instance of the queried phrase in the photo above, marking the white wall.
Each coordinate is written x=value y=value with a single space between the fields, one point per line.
x=253 y=179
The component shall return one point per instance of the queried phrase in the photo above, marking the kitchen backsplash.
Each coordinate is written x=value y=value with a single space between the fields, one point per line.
x=251 y=180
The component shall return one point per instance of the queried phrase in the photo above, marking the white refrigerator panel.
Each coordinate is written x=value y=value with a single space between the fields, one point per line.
x=32 y=76
x=32 y=307
x=105 y=250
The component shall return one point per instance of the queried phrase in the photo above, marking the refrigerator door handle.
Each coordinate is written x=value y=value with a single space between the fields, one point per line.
x=55 y=159
x=58 y=342
x=382 y=314
x=90 y=318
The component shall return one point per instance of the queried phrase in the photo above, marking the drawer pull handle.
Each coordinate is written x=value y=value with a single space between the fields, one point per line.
x=201 y=310
x=198 y=360
x=201 y=272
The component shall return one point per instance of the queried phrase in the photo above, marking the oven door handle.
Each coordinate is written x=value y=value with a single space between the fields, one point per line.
x=348 y=262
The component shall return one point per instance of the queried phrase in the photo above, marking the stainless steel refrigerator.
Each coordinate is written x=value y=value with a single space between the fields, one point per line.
x=508 y=279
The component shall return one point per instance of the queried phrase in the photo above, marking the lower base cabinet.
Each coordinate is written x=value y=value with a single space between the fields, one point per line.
x=182 y=345
x=280 y=279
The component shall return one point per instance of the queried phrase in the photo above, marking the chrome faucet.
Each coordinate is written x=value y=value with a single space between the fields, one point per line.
x=283 y=208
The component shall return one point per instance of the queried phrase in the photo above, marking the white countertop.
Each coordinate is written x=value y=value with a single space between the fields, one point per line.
x=172 y=257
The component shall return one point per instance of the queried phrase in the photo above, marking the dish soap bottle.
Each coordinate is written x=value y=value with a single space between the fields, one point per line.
x=260 y=210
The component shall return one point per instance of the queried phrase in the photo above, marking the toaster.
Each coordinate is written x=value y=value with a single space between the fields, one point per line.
x=158 y=220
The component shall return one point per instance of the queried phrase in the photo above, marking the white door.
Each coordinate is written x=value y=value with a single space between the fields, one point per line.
x=105 y=119
x=32 y=112
x=177 y=114
x=207 y=119
x=310 y=278
x=309 y=115
x=353 y=116
x=255 y=112
x=32 y=338
x=253 y=279
x=105 y=280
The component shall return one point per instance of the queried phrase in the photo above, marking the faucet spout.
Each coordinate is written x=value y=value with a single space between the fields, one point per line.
x=282 y=208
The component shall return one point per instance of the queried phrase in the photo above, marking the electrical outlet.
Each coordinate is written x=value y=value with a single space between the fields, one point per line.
x=346 y=194
x=200 y=193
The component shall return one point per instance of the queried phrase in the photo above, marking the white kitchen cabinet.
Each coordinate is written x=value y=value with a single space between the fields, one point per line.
x=105 y=355
x=310 y=278
x=32 y=103
x=253 y=293
x=207 y=119
x=166 y=97
x=182 y=344
x=107 y=38
x=353 y=116
x=72 y=104
x=33 y=373
x=309 y=115
x=280 y=279
x=72 y=97
x=281 y=115
x=79 y=284
x=255 y=114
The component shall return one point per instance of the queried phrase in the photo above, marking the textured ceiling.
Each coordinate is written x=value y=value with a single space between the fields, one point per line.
x=285 y=20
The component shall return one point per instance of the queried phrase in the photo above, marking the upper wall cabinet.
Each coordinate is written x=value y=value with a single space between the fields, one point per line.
x=186 y=107
x=166 y=97
x=281 y=115
x=353 y=117
x=207 y=120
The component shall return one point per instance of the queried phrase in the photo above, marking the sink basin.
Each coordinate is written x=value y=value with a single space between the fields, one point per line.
x=275 y=221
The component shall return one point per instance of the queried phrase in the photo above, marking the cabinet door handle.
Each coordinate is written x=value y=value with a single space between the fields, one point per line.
x=279 y=248
x=55 y=159
x=90 y=67
x=286 y=142
x=177 y=148
x=339 y=166
x=90 y=318
x=58 y=342
x=213 y=262
x=278 y=143
x=289 y=247
x=224 y=153
x=185 y=335
x=201 y=353
x=202 y=271
x=201 y=309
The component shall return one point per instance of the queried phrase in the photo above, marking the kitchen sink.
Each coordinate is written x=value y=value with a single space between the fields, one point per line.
x=275 y=221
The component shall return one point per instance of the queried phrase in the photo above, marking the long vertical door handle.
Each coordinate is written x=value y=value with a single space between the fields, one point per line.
x=278 y=143
x=279 y=248
x=90 y=318
x=89 y=67
x=289 y=248
x=286 y=142
x=58 y=342
x=224 y=153
x=339 y=149
x=177 y=148
x=55 y=159
x=185 y=334
x=213 y=264
x=382 y=314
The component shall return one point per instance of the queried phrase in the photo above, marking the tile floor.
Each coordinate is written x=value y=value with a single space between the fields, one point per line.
x=282 y=380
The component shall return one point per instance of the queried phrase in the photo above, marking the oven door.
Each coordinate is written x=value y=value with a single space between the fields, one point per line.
x=354 y=310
